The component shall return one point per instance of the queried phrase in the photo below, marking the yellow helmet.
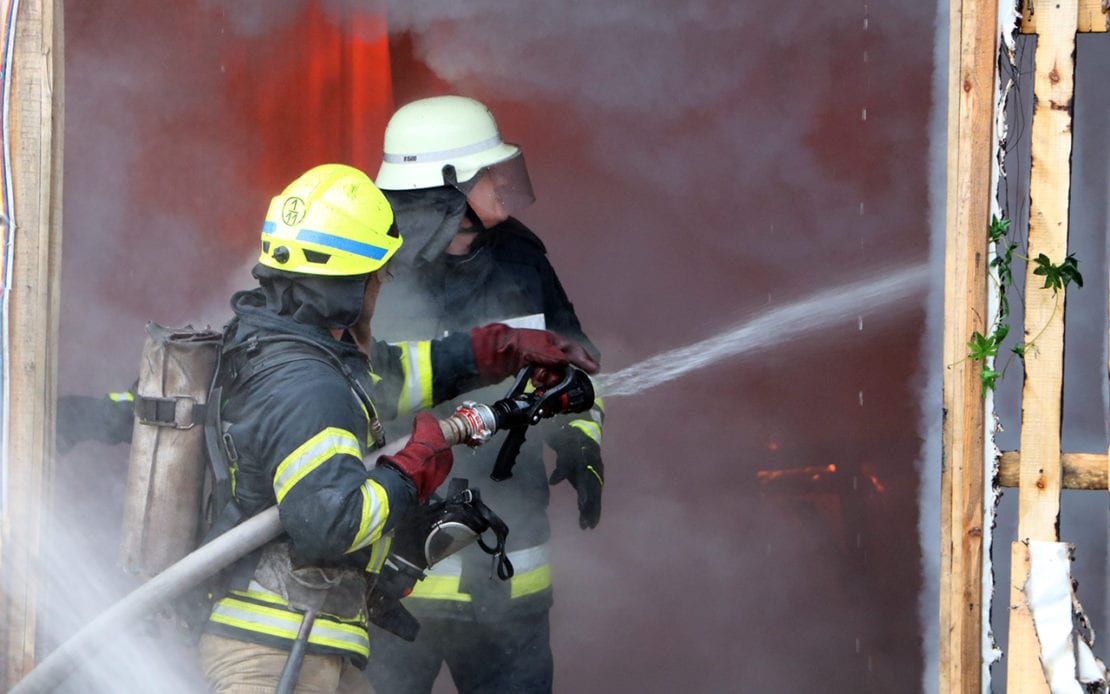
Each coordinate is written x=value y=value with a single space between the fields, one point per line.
x=331 y=221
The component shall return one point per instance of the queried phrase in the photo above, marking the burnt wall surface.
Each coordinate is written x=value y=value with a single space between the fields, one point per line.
x=695 y=164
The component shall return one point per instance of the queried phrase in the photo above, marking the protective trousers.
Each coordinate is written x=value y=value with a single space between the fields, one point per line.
x=511 y=656
x=239 y=667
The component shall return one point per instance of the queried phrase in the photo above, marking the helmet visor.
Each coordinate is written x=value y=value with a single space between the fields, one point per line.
x=502 y=188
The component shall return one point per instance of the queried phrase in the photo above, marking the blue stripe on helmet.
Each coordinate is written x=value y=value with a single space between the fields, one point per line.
x=339 y=243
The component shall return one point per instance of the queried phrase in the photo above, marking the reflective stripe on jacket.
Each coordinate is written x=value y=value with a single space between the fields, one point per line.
x=532 y=574
x=268 y=619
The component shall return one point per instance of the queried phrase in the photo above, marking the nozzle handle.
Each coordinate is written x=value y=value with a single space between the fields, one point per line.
x=506 y=457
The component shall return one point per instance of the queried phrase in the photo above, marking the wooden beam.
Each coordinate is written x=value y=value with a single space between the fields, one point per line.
x=1049 y=187
x=973 y=52
x=36 y=142
x=1080 y=470
x=1091 y=17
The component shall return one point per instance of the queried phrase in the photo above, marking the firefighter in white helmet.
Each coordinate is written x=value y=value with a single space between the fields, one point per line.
x=455 y=186
x=300 y=403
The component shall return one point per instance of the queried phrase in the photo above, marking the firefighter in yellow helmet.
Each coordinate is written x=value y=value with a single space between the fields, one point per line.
x=455 y=187
x=300 y=406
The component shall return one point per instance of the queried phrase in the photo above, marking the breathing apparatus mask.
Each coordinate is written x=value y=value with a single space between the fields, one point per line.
x=437 y=529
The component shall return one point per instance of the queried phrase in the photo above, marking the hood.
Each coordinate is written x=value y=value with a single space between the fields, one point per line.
x=327 y=302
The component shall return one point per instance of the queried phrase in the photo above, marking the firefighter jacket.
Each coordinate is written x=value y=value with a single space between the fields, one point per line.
x=296 y=429
x=505 y=278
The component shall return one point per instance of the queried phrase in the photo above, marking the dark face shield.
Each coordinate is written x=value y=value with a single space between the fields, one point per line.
x=499 y=190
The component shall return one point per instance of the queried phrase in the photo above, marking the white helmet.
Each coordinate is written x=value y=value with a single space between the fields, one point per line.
x=442 y=140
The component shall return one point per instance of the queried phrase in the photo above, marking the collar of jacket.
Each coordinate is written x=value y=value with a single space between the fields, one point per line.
x=250 y=308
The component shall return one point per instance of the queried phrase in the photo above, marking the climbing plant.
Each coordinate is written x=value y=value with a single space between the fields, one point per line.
x=1056 y=277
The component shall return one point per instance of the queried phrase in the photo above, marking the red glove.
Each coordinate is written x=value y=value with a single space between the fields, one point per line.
x=426 y=459
x=501 y=351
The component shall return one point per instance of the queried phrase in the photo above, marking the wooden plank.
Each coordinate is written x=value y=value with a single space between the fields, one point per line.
x=1027 y=675
x=36 y=131
x=1091 y=17
x=1049 y=187
x=972 y=54
x=1080 y=470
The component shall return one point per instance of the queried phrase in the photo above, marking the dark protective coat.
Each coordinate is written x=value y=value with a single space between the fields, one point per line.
x=299 y=428
x=506 y=275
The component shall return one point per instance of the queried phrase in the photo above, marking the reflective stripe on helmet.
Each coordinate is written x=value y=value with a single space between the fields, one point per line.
x=443 y=153
x=339 y=243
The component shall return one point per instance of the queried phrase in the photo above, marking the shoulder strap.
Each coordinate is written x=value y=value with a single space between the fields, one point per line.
x=257 y=354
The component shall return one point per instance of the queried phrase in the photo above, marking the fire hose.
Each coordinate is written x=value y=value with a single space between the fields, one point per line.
x=471 y=424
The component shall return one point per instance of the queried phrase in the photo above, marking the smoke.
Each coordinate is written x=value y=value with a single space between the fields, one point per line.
x=642 y=52
x=928 y=464
x=737 y=113
x=147 y=235
x=693 y=162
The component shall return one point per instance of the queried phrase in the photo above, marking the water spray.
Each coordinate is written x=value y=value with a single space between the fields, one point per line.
x=772 y=327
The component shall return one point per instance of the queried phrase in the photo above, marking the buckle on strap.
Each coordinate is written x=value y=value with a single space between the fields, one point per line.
x=179 y=412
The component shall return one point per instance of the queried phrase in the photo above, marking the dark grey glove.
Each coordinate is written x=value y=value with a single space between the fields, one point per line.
x=578 y=459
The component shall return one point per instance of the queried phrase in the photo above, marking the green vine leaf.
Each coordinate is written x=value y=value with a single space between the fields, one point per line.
x=1004 y=263
x=987 y=379
x=981 y=346
x=1057 y=277
x=985 y=348
x=1000 y=334
x=998 y=228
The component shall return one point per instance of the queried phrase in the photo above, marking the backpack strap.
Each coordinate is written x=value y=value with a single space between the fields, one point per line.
x=258 y=354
